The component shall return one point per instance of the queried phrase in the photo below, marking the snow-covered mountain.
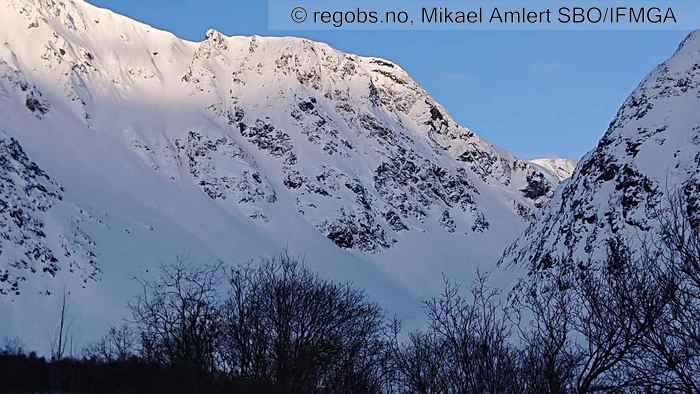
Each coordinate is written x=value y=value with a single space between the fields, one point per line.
x=561 y=168
x=651 y=148
x=122 y=146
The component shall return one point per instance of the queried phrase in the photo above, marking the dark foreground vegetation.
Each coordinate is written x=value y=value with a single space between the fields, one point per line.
x=627 y=324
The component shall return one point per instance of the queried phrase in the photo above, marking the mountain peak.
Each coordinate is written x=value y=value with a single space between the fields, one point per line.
x=213 y=34
x=692 y=41
x=560 y=168
x=234 y=148
x=652 y=147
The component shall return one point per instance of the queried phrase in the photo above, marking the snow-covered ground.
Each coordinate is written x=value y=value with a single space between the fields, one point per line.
x=123 y=146
x=561 y=168
x=651 y=148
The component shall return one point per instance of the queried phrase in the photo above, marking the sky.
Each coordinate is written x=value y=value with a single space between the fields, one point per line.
x=535 y=93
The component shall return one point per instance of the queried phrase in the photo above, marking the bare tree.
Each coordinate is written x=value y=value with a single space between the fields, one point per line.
x=548 y=360
x=591 y=319
x=289 y=329
x=423 y=364
x=178 y=317
x=62 y=336
x=619 y=306
x=669 y=360
x=119 y=344
x=465 y=348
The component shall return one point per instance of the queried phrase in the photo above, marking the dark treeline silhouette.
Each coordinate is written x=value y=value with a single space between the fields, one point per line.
x=626 y=323
x=27 y=373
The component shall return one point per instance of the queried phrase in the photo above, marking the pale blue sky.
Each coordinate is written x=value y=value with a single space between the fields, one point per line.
x=534 y=93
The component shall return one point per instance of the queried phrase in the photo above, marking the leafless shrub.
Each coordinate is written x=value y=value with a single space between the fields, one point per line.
x=12 y=346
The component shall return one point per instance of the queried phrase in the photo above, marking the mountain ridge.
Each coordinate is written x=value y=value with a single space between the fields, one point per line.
x=561 y=168
x=651 y=148
x=234 y=148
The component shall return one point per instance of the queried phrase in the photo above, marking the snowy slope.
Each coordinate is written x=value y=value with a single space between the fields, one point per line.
x=561 y=168
x=651 y=147
x=126 y=146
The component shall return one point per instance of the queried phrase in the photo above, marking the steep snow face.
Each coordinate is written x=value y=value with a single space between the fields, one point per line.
x=561 y=168
x=231 y=148
x=652 y=147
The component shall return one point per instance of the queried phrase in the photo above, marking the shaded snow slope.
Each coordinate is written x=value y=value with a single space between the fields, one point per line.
x=651 y=147
x=126 y=146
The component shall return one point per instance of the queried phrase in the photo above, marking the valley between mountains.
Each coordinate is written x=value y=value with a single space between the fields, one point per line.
x=123 y=147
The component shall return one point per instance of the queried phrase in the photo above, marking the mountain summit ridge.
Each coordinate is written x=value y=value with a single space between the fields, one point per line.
x=561 y=168
x=651 y=148
x=233 y=148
